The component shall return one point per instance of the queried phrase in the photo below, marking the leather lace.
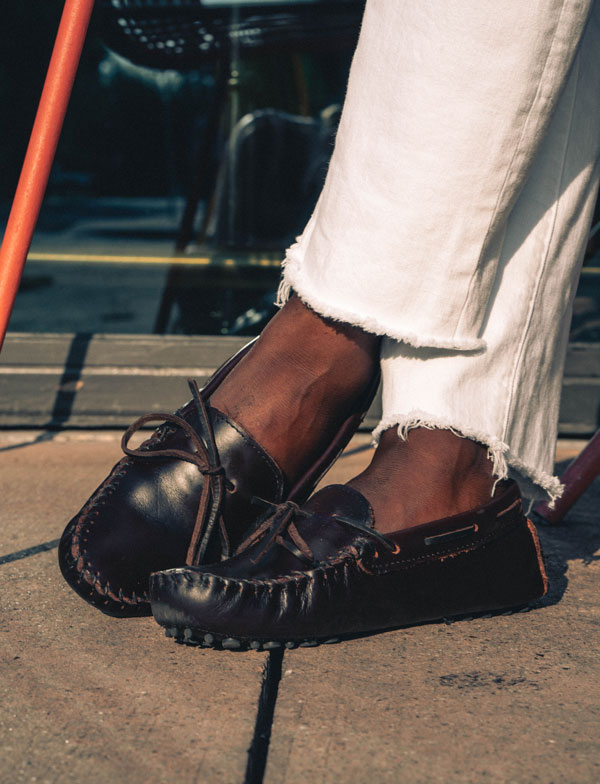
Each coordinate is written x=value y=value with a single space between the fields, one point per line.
x=206 y=457
x=279 y=524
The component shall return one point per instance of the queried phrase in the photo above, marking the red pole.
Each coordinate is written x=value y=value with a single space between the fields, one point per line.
x=576 y=479
x=40 y=152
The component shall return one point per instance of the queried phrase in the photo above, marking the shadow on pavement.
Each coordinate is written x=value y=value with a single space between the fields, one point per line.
x=576 y=539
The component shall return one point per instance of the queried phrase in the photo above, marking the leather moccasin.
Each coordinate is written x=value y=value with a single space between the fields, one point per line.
x=183 y=496
x=322 y=571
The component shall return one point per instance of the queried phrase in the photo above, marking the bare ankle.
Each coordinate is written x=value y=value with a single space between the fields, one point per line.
x=431 y=474
x=302 y=378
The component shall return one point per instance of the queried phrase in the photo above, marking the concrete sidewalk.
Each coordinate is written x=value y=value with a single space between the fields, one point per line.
x=90 y=698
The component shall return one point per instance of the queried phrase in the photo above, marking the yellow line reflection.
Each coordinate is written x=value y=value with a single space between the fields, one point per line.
x=190 y=261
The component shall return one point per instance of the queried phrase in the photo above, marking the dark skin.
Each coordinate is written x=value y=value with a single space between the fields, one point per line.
x=432 y=474
x=301 y=380
x=298 y=383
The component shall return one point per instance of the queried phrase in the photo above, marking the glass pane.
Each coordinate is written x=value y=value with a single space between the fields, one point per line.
x=219 y=111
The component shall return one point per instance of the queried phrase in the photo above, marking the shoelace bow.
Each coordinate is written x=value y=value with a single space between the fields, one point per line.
x=280 y=521
x=206 y=458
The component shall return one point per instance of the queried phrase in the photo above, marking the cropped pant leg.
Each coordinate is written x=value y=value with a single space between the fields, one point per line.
x=455 y=212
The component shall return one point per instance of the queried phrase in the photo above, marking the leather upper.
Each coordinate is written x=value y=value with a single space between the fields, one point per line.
x=325 y=570
x=141 y=518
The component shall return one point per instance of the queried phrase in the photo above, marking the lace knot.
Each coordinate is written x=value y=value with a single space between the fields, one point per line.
x=217 y=470
x=278 y=527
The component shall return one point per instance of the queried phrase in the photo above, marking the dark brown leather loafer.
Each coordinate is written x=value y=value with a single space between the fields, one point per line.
x=321 y=572
x=183 y=496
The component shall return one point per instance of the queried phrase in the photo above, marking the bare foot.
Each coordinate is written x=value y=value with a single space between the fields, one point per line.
x=433 y=474
x=299 y=382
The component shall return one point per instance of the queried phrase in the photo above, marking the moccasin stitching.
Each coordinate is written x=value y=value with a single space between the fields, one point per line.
x=103 y=587
x=82 y=566
x=296 y=578
x=319 y=572
x=80 y=530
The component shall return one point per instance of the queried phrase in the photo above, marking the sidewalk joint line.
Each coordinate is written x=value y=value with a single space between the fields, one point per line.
x=20 y=554
x=259 y=748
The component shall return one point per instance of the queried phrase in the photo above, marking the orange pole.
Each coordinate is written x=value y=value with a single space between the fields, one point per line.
x=40 y=152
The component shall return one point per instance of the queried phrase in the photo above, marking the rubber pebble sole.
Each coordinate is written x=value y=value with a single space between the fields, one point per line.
x=195 y=637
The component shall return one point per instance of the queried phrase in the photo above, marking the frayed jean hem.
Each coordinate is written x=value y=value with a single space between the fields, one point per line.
x=294 y=281
x=535 y=485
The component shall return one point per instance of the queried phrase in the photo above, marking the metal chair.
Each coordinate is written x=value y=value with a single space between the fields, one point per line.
x=185 y=34
x=160 y=34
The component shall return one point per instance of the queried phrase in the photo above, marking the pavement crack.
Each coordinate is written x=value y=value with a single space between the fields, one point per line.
x=259 y=748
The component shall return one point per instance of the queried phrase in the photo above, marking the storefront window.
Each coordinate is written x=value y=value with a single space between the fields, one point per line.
x=196 y=142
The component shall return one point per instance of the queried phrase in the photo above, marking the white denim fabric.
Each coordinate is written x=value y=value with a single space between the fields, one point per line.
x=455 y=212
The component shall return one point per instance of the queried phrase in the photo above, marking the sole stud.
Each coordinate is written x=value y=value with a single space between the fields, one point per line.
x=270 y=646
x=170 y=631
x=290 y=644
x=209 y=639
x=487 y=615
x=256 y=645
x=308 y=644
x=188 y=636
x=230 y=643
x=331 y=641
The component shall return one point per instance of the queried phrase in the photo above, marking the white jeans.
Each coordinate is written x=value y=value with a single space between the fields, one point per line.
x=455 y=212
